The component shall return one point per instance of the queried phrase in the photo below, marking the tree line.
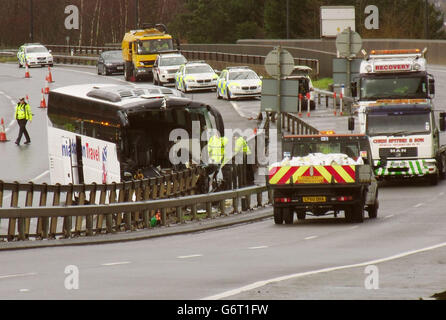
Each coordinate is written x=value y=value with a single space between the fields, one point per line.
x=205 y=21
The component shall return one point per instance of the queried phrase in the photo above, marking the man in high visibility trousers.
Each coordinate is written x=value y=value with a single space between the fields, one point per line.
x=23 y=115
x=217 y=157
x=242 y=146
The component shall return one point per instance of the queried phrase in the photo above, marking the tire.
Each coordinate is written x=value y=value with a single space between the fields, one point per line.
x=228 y=94
x=312 y=105
x=288 y=215
x=433 y=179
x=358 y=211
x=372 y=211
x=127 y=71
x=278 y=216
x=105 y=72
x=301 y=215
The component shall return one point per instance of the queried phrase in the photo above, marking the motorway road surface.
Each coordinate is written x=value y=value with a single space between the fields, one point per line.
x=236 y=262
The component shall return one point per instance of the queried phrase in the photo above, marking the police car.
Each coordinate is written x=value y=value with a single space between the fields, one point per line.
x=195 y=75
x=34 y=54
x=237 y=82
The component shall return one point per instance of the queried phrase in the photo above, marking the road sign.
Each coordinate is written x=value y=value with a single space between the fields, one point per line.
x=348 y=43
x=273 y=60
x=289 y=92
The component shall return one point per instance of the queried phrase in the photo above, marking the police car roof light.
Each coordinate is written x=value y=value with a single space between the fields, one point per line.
x=238 y=67
x=196 y=61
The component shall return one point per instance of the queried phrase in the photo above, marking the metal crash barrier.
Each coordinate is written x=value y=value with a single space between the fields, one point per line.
x=86 y=210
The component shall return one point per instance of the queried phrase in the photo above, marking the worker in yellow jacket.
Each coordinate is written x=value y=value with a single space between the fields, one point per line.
x=23 y=115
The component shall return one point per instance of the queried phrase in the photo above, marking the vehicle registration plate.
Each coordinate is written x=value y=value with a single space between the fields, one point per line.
x=314 y=199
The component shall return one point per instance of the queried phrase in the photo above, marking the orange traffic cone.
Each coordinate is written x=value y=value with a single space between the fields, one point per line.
x=47 y=88
x=27 y=72
x=2 y=132
x=50 y=77
x=43 y=101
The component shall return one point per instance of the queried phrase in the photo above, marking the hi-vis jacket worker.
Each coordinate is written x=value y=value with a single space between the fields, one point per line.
x=242 y=146
x=23 y=114
x=216 y=148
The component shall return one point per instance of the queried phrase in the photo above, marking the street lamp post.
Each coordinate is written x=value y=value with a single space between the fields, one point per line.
x=287 y=19
x=31 y=18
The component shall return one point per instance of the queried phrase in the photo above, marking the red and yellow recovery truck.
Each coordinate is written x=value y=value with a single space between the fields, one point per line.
x=324 y=174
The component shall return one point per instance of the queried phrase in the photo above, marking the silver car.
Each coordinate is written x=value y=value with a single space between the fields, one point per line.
x=165 y=67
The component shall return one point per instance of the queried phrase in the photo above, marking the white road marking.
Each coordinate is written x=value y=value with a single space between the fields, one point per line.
x=190 y=256
x=418 y=205
x=310 y=237
x=389 y=216
x=115 y=263
x=259 y=247
x=441 y=194
x=351 y=228
x=18 y=275
x=259 y=284
x=24 y=290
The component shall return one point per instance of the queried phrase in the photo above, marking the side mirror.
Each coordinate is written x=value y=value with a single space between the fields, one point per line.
x=431 y=86
x=50 y=51
x=442 y=121
x=354 y=89
x=351 y=124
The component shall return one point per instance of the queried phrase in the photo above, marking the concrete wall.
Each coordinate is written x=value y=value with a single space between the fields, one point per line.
x=324 y=50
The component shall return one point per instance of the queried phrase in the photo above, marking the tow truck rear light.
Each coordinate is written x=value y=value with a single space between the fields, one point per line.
x=282 y=200
x=397 y=51
x=342 y=198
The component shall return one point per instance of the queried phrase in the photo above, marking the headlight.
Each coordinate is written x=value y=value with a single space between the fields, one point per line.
x=234 y=86
x=108 y=64
x=164 y=72
x=368 y=68
x=416 y=66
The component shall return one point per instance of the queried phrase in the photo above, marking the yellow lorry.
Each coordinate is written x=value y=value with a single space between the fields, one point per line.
x=140 y=49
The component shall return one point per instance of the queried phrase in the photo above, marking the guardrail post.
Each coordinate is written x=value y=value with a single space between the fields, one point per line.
x=164 y=217
x=179 y=211
x=209 y=209
x=67 y=221
x=222 y=207
x=235 y=202
x=14 y=204
x=193 y=210
x=259 y=199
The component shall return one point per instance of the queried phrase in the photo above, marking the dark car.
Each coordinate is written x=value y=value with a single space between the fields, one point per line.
x=110 y=62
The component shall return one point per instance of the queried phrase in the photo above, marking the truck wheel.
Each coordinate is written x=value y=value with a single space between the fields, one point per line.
x=278 y=216
x=433 y=179
x=372 y=211
x=358 y=212
x=301 y=215
x=128 y=71
x=288 y=216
